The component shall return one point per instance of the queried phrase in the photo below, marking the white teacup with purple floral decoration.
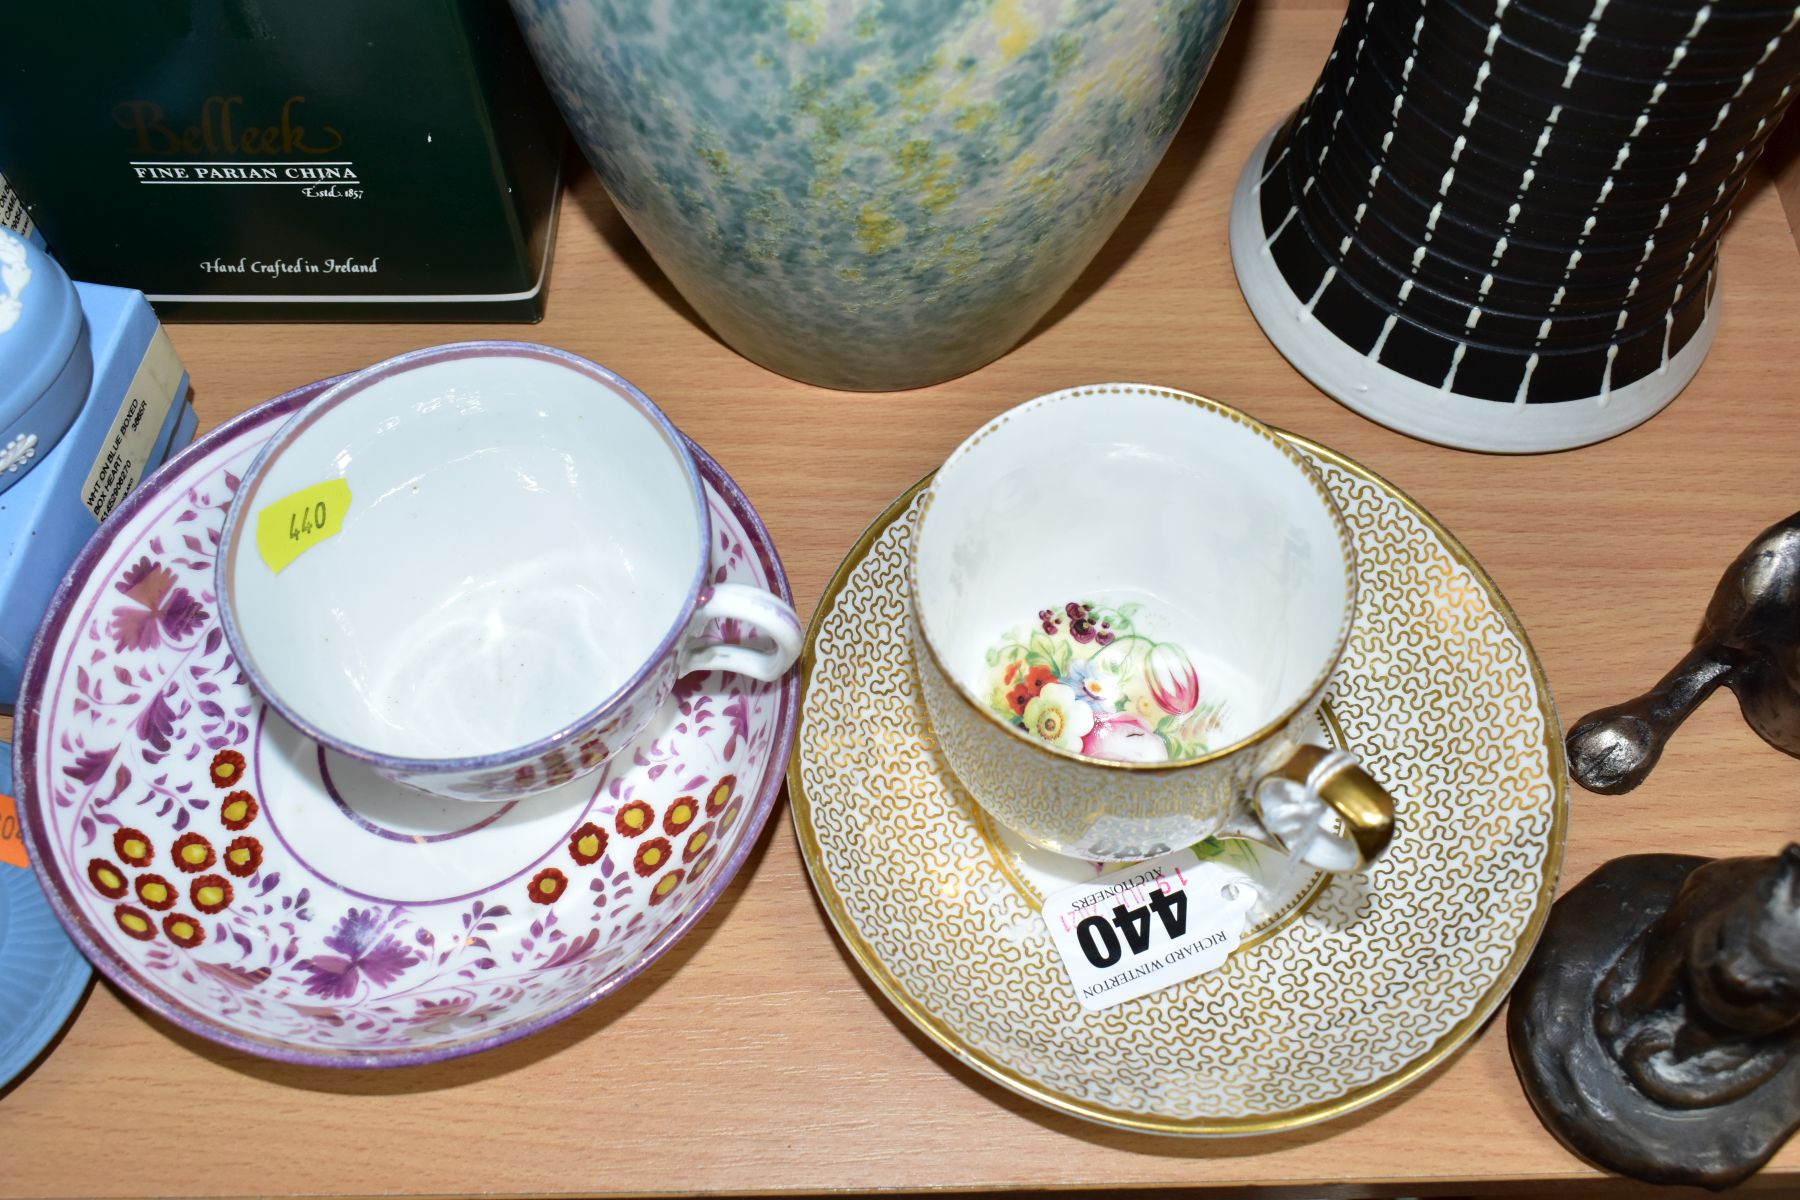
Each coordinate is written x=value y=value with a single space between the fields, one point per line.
x=1128 y=603
x=480 y=569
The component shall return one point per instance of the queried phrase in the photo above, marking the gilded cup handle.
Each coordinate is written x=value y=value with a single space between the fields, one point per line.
x=1288 y=802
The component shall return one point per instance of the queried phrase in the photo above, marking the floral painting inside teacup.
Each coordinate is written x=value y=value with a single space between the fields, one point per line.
x=1085 y=679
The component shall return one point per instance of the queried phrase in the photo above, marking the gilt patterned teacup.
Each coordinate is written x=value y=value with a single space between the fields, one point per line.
x=1127 y=605
x=480 y=569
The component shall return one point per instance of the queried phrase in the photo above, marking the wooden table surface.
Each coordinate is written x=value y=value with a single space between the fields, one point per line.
x=753 y=1057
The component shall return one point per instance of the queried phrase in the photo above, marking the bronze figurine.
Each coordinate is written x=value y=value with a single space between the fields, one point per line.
x=1749 y=641
x=1655 y=1029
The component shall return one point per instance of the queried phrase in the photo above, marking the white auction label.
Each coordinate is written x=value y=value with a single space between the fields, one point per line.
x=1145 y=927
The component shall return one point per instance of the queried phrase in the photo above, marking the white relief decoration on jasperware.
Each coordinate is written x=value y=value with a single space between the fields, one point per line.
x=14 y=275
x=18 y=451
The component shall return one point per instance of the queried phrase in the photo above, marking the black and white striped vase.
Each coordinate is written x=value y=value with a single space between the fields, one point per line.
x=1494 y=223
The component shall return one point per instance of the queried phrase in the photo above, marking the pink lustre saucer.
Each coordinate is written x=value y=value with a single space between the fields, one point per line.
x=260 y=891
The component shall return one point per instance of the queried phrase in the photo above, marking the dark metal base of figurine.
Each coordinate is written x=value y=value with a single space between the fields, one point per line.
x=1579 y=1090
x=1749 y=641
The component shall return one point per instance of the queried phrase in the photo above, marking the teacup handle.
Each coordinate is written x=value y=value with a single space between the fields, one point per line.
x=1291 y=799
x=741 y=602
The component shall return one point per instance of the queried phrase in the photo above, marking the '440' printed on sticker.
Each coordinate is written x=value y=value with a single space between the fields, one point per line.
x=1146 y=927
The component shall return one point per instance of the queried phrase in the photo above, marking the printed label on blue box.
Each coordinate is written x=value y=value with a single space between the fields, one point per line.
x=13 y=215
x=126 y=450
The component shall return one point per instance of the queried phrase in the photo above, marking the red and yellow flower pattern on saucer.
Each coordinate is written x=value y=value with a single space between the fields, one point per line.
x=190 y=852
x=164 y=815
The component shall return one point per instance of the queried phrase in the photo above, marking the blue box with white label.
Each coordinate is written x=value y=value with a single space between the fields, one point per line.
x=137 y=414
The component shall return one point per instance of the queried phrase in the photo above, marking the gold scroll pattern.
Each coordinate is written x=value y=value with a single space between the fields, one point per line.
x=1384 y=975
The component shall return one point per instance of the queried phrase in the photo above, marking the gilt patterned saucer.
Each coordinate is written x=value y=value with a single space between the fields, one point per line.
x=258 y=890
x=1345 y=989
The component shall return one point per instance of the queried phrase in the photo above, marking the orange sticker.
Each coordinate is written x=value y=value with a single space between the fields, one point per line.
x=12 y=838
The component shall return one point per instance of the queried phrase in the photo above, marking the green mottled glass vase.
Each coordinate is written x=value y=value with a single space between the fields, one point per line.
x=873 y=194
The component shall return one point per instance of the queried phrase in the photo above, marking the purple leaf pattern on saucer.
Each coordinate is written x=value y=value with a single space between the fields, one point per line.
x=159 y=609
x=364 y=950
x=150 y=766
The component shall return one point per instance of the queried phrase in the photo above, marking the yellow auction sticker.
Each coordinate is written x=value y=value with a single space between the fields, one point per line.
x=297 y=522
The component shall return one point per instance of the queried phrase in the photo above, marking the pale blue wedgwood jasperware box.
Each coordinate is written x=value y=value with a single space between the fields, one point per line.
x=92 y=398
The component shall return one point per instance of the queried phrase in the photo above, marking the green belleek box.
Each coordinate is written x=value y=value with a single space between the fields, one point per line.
x=383 y=160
